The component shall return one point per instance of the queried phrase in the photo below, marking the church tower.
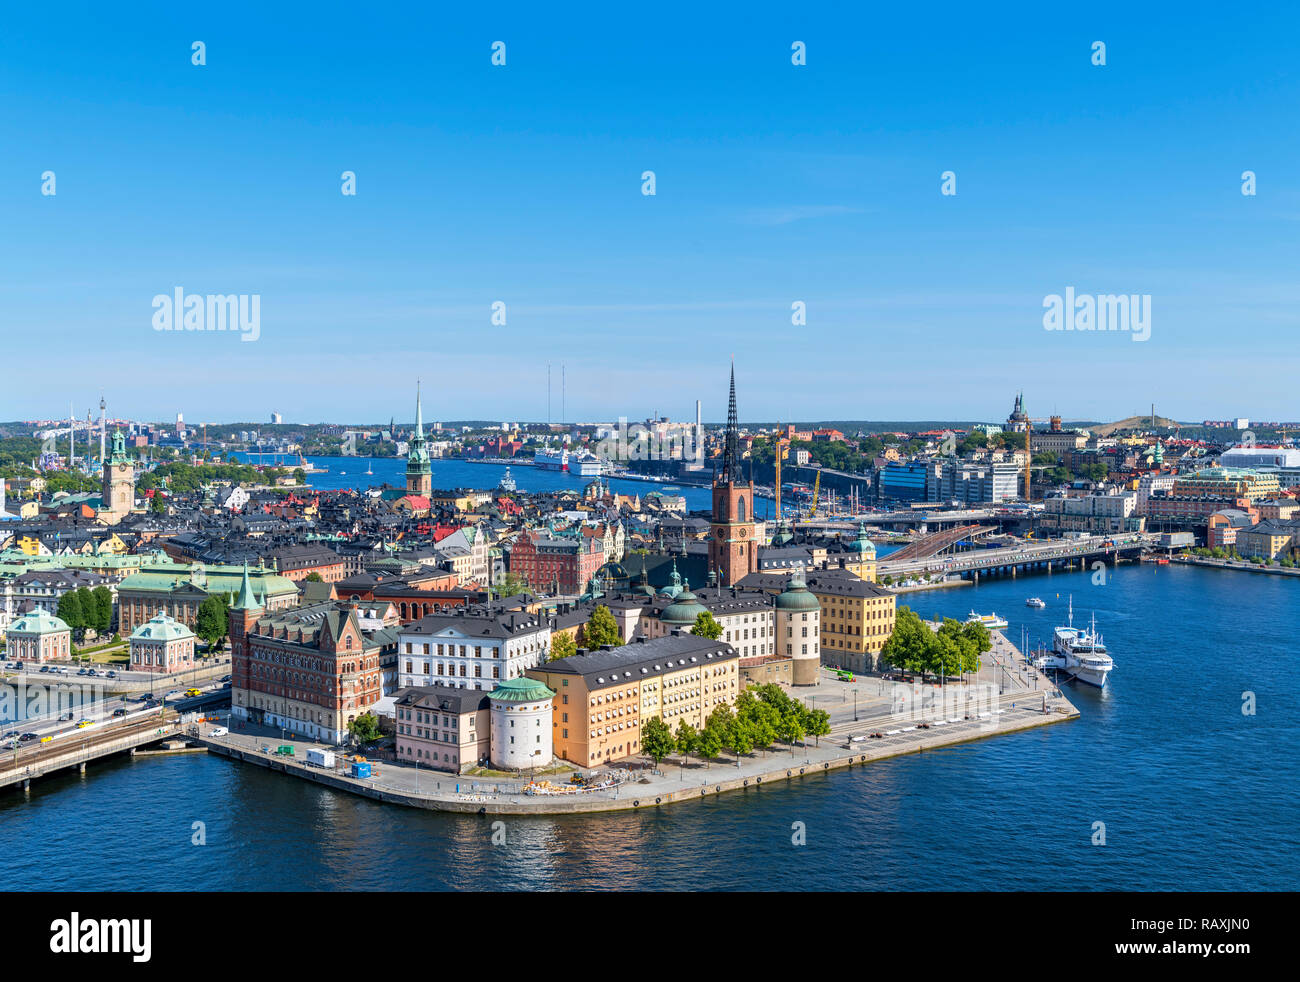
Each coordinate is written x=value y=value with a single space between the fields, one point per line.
x=419 y=475
x=733 y=553
x=119 y=484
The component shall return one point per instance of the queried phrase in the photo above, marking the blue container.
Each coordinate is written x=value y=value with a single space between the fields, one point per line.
x=360 y=769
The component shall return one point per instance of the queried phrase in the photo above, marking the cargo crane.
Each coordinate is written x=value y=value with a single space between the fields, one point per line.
x=817 y=486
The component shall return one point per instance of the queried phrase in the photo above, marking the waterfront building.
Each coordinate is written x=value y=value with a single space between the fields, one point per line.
x=162 y=644
x=798 y=629
x=603 y=697
x=477 y=647
x=745 y=616
x=38 y=636
x=1095 y=513
x=310 y=670
x=733 y=546
x=857 y=616
x=1270 y=539
x=441 y=727
x=1222 y=527
x=522 y=724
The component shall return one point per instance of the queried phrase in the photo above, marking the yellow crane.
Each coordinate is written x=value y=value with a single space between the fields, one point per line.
x=817 y=487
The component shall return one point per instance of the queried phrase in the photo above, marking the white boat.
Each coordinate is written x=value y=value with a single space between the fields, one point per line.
x=992 y=621
x=1082 y=653
x=507 y=482
x=1035 y=602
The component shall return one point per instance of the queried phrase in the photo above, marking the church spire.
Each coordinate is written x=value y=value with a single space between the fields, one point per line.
x=731 y=451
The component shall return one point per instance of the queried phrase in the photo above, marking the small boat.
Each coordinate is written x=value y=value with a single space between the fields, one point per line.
x=991 y=621
x=1162 y=562
x=1035 y=602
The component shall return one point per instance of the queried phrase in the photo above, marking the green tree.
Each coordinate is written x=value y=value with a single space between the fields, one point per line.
x=364 y=728
x=300 y=475
x=656 y=739
x=688 y=739
x=709 y=743
x=71 y=613
x=212 y=620
x=601 y=629
x=511 y=586
x=103 y=601
x=816 y=723
x=158 y=504
x=562 y=646
x=707 y=626
x=314 y=577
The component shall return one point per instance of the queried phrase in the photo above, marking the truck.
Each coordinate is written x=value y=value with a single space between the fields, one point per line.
x=320 y=757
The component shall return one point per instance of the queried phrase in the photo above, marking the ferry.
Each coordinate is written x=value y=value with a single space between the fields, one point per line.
x=1034 y=602
x=507 y=482
x=552 y=460
x=586 y=464
x=1080 y=652
x=992 y=621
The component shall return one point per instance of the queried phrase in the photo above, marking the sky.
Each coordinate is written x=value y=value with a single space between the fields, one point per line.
x=775 y=184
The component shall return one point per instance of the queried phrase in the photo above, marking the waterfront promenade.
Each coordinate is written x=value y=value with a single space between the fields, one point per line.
x=1006 y=696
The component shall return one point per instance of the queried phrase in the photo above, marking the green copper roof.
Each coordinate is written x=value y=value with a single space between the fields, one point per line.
x=796 y=596
x=862 y=544
x=162 y=628
x=37 y=622
x=683 y=611
x=522 y=689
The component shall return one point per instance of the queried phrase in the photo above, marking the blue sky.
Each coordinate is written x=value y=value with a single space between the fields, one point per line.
x=775 y=184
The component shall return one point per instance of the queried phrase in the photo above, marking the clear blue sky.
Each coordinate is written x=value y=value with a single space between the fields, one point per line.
x=775 y=183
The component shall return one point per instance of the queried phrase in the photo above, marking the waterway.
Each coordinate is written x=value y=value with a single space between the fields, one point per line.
x=1193 y=794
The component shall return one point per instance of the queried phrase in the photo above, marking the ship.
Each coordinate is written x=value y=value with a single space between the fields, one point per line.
x=309 y=468
x=586 y=464
x=552 y=460
x=1080 y=652
x=1035 y=602
x=507 y=482
x=992 y=621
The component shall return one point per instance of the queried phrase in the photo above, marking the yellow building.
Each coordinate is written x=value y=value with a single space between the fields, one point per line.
x=603 y=697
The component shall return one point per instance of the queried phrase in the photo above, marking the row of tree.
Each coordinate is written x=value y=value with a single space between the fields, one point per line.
x=86 y=609
x=953 y=649
x=762 y=716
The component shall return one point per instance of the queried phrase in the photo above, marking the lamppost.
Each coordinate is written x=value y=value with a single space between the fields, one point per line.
x=855 y=705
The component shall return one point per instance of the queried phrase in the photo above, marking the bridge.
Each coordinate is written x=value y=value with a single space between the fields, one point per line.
x=1023 y=557
x=937 y=542
x=78 y=748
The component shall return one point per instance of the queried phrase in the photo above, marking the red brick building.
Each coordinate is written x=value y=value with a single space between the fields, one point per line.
x=733 y=553
x=563 y=565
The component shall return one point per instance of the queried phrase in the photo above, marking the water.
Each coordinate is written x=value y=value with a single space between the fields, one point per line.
x=1194 y=795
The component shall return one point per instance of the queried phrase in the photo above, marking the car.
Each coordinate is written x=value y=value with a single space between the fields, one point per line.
x=149 y=704
x=191 y=693
x=81 y=671
x=82 y=723
x=45 y=668
x=18 y=665
x=119 y=711
x=225 y=678
x=91 y=672
x=27 y=738
x=65 y=717
x=219 y=731
x=110 y=675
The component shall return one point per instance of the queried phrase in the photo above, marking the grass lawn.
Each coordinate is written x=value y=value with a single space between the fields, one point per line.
x=555 y=768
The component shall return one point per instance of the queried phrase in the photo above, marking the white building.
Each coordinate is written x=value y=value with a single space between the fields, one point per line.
x=521 y=724
x=477 y=649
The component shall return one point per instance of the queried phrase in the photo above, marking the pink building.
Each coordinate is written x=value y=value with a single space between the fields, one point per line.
x=162 y=645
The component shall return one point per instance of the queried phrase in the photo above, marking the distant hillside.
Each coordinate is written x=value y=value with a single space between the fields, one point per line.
x=1135 y=423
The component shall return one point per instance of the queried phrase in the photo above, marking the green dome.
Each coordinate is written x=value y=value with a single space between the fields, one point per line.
x=522 y=689
x=862 y=544
x=796 y=597
x=675 y=588
x=162 y=628
x=683 y=610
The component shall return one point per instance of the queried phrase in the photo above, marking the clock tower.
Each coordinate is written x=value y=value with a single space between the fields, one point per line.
x=119 y=484
x=733 y=553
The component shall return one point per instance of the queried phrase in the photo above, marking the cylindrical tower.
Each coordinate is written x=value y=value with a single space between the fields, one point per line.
x=798 y=628
x=521 y=723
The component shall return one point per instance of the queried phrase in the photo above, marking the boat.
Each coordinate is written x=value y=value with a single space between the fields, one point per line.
x=507 y=482
x=369 y=468
x=1034 y=602
x=552 y=460
x=309 y=468
x=992 y=621
x=1081 y=651
x=586 y=464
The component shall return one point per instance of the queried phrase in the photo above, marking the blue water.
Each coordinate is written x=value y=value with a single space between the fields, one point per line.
x=1194 y=795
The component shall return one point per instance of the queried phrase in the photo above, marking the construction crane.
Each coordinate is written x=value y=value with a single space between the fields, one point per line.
x=1029 y=454
x=817 y=486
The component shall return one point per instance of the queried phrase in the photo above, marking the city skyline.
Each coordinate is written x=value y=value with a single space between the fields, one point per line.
x=776 y=184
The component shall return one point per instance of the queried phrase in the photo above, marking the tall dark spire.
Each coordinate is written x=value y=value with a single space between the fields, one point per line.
x=731 y=453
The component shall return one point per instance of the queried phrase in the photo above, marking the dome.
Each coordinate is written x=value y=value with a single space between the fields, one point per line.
x=862 y=545
x=162 y=628
x=683 y=610
x=522 y=689
x=38 y=621
x=675 y=587
x=796 y=597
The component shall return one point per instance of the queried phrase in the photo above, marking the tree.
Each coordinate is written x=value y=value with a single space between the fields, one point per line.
x=707 y=626
x=510 y=586
x=708 y=743
x=72 y=614
x=816 y=723
x=364 y=728
x=212 y=620
x=688 y=739
x=103 y=600
x=158 y=504
x=656 y=739
x=562 y=645
x=314 y=577
x=601 y=629
x=300 y=475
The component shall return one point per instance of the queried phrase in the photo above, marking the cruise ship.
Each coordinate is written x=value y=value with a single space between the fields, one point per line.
x=552 y=460
x=1080 y=653
x=992 y=621
x=586 y=464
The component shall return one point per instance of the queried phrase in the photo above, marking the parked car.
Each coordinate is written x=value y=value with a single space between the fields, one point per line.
x=219 y=731
x=226 y=678
x=110 y=675
x=65 y=717
x=81 y=671
x=91 y=671
x=45 y=668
